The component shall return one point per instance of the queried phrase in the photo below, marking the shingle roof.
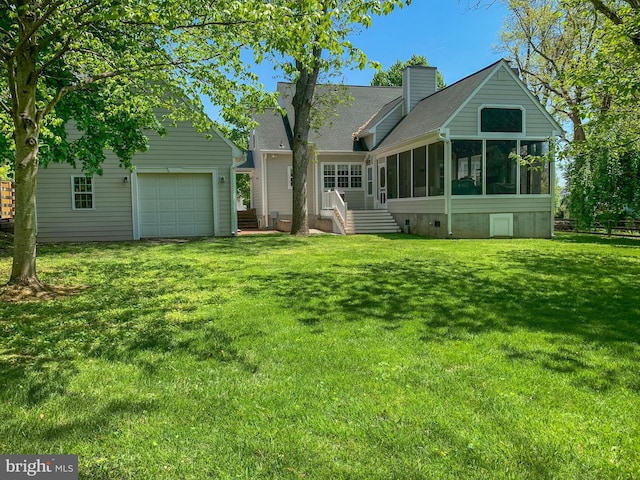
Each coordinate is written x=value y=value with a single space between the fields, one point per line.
x=336 y=135
x=433 y=111
x=368 y=106
x=378 y=116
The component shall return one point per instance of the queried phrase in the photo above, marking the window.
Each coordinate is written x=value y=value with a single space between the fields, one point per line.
x=344 y=175
x=370 y=180
x=420 y=172
x=82 y=189
x=329 y=174
x=535 y=176
x=504 y=120
x=436 y=169
x=466 y=167
x=501 y=167
x=404 y=174
x=356 y=175
x=290 y=177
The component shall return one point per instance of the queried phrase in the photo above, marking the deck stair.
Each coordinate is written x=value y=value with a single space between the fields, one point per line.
x=247 y=220
x=370 y=221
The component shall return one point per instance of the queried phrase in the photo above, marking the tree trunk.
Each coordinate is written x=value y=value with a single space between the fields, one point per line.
x=302 y=105
x=26 y=124
x=23 y=271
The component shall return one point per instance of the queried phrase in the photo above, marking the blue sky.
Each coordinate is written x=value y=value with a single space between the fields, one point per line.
x=456 y=39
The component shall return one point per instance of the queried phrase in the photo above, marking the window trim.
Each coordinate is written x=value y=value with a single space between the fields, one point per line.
x=290 y=177
x=362 y=176
x=502 y=135
x=92 y=193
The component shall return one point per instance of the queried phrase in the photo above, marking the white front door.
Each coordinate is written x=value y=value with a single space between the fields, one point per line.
x=382 y=185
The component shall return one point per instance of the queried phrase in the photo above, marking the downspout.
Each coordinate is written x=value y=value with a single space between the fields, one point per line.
x=264 y=217
x=234 y=187
x=552 y=189
x=443 y=135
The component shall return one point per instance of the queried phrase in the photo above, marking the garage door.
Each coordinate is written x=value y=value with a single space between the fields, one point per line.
x=175 y=205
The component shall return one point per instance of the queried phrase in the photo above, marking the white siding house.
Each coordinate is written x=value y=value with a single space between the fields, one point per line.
x=183 y=186
x=443 y=163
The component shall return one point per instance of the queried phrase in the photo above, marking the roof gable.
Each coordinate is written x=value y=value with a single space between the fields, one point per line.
x=433 y=112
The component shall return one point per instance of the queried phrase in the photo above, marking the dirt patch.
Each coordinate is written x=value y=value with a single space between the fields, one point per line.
x=18 y=293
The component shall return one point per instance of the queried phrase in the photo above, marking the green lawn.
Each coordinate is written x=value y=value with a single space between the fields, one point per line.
x=362 y=357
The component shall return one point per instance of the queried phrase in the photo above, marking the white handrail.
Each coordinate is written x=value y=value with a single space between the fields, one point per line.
x=332 y=200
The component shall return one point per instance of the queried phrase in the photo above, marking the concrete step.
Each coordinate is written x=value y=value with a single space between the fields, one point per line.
x=370 y=221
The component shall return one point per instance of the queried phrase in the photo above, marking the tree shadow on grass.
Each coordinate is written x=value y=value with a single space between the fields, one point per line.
x=586 y=302
x=42 y=342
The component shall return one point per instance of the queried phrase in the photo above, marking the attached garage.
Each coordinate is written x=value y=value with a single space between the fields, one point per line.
x=175 y=204
x=182 y=186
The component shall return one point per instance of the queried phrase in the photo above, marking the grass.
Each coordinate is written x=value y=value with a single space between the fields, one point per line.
x=362 y=357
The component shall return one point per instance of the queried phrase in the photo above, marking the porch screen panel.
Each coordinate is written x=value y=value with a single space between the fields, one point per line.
x=535 y=176
x=436 y=169
x=404 y=175
x=501 y=167
x=392 y=176
x=466 y=167
x=420 y=172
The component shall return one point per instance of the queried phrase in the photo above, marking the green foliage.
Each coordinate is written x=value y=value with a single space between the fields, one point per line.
x=361 y=357
x=5 y=172
x=393 y=76
x=243 y=187
x=597 y=92
x=312 y=43
x=108 y=65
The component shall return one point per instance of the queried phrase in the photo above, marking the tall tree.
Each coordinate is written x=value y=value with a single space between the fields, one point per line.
x=540 y=37
x=107 y=66
x=597 y=91
x=314 y=42
x=392 y=77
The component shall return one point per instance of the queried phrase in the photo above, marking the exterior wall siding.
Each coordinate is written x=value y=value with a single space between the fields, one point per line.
x=388 y=124
x=500 y=89
x=111 y=218
x=418 y=83
x=500 y=204
x=417 y=205
x=279 y=197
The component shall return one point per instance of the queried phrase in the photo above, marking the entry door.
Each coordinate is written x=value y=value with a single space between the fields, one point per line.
x=382 y=185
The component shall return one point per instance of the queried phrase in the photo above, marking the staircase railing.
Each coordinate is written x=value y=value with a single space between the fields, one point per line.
x=332 y=200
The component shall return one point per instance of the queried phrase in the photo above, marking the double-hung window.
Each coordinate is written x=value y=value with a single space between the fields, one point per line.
x=82 y=193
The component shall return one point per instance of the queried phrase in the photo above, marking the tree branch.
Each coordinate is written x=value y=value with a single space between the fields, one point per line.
x=37 y=25
x=5 y=107
x=106 y=75
x=606 y=11
x=59 y=54
x=76 y=27
x=11 y=82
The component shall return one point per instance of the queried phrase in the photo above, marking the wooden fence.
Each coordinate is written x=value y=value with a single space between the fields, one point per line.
x=7 y=199
x=623 y=228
